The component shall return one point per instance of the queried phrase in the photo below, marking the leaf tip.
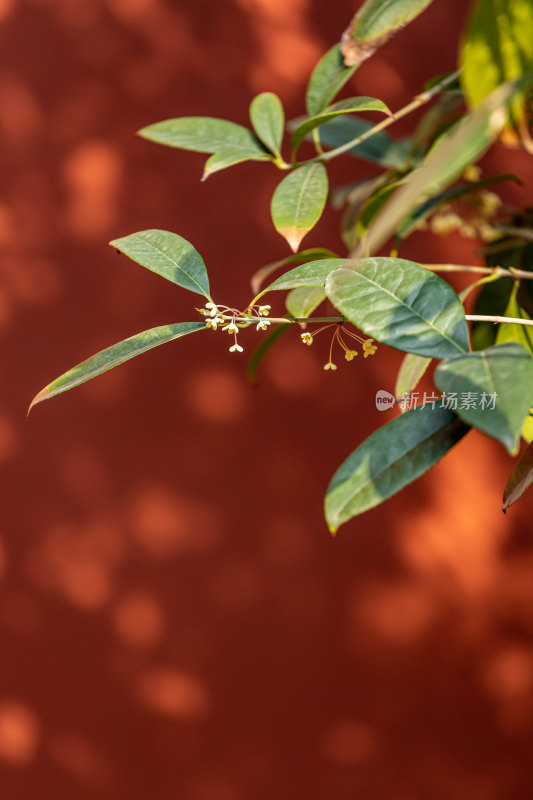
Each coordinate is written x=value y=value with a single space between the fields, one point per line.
x=293 y=236
x=42 y=395
x=332 y=529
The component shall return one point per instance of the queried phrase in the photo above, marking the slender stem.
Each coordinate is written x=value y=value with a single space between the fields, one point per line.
x=499 y=271
x=280 y=320
x=419 y=100
x=495 y=319
x=524 y=233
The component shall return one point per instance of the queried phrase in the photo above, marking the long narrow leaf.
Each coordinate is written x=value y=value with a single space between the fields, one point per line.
x=115 y=355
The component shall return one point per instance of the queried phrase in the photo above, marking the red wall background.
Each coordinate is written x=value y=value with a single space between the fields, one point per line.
x=175 y=620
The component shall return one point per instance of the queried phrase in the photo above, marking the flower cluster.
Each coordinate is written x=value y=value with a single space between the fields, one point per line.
x=369 y=348
x=235 y=320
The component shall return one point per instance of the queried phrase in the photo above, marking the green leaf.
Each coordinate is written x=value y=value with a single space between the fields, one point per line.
x=522 y=334
x=268 y=119
x=374 y=24
x=169 y=255
x=411 y=371
x=231 y=156
x=314 y=273
x=520 y=478
x=298 y=202
x=262 y=349
x=454 y=193
x=202 y=135
x=312 y=254
x=302 y=302
x=373 y=206
x=391 y=458
x=459 y=147
x=497 y=47
x=379 y=149
x=401 y=304
x=115 y=355
x=500 y=376
x=327 y=79
x=349 y=106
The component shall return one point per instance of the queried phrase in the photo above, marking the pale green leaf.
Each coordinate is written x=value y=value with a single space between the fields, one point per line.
x=459 y=147
x=302 y=302
x=411 y=371
x=507 y=332
x=115 y=355
x=497 y=47
x=499 y=376
x=201 y=134
x=391 y=458
x=268 y=119
x=169 y=255
x=401 y=304
x=312 y=254
x=298 y=202
x=314 y=273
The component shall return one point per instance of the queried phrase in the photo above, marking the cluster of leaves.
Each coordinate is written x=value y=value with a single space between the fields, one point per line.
x=398 y=303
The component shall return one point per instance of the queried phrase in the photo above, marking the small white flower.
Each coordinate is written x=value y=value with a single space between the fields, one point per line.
x=236 y=348
x=231 y=328
x=213 y=309
x=307 y=338
x=263 y=311
x=263 y=325
x=213 y=322
x=330 y=365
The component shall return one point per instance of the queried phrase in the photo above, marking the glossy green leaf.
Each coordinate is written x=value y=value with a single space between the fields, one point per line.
x=497 y=47
x=327 y=79
x=202 y=135
x=410 y=373
x=314 y=273
x=401 y=304
x=312 y=254
x=168 y=255
x=493 y=389
x=268 y=119
x=231 y=156
x=375 y=22
x=262 y=349
x=302 y=302
x=351 y=105
x=391 y=458
x=298 y=202
x=459 y=147
x=520 y=478
x=115 y=355
x=380 y=148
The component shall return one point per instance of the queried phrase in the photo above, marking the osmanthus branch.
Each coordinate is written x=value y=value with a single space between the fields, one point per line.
x=498 y=319
x=497 y=271
x=417 y=102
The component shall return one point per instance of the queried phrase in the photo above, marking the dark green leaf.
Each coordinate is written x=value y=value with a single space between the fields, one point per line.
x=263 y=348
x=401 y=304
x=312 y=254
x=268 y=119
x=349 y=106
x=380 y=148
x=374 y=24
x=520 y=478
x=298 y=202
x=493 y=387
x=115 y=355
x=231 y=156
x=327 y=79
x=314 y=273
x=168 y=255
x=391 y=458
